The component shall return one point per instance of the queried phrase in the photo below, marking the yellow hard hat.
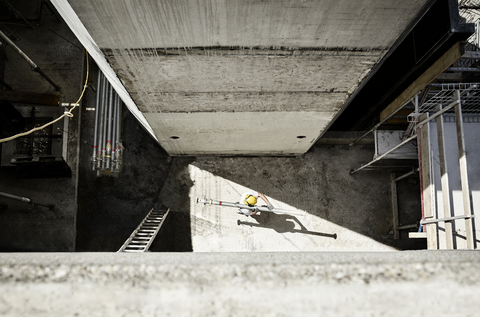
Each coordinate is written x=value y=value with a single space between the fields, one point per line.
x=250 y=200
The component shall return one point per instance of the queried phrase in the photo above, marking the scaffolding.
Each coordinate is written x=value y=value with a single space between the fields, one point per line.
x=457 y=103
x=440 y=100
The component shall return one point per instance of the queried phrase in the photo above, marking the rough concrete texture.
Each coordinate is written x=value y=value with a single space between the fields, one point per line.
x=356 y=208
x=438 y=283
x=239 y=73
x=52 y=46
x=184 y=57
x=332 y=24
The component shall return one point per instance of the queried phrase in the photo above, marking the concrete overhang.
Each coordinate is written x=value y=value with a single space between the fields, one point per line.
x=239 y=77
x=427 y=48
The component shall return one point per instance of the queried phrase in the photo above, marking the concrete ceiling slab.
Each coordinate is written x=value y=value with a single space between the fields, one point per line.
x=218 y=73
x=238 y=133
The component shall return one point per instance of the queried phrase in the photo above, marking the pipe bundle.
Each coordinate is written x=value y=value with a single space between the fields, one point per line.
x=106 y=144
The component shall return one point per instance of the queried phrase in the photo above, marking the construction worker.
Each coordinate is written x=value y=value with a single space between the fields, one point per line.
x=249 y=198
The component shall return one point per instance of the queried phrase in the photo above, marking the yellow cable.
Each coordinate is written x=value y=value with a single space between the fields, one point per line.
x=66 y=113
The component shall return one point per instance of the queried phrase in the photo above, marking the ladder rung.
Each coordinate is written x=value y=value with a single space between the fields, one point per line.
x=141 y=238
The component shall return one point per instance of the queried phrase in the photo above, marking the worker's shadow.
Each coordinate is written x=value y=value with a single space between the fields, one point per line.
x=281 y=223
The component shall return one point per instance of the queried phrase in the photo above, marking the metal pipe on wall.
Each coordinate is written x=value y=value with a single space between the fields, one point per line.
x=106 y=144
x=114 y=132
x=108 y=150
x=118 y=127
x=95 y=130
x=101 y=126
x=104 y=132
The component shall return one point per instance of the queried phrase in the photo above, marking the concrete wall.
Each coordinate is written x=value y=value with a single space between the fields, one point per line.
x=61 y=58
x=240 y=284
x=227 y=61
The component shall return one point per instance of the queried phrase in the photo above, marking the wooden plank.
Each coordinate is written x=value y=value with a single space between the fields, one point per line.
x=30 y=97
x=464 y=174
x=393 y=186
x=428 y=193
x=447 y=59
x=444 y=180
x=432 y=228
x=426 y=177
x=417 y=235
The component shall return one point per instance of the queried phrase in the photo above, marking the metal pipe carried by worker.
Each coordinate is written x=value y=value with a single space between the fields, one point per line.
x=259 y=208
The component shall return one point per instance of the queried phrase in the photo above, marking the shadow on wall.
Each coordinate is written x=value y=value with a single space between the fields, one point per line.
x=282 y=223
x=111 y=207
x=175 y=235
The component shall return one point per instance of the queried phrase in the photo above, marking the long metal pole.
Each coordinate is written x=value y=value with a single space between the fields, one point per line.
x=405 y=175
x=439 y=113
x=114 y=131
x=95 y=130
x=381 y=122
x=26 y=200
x=104 y=132
x=119 y=123
x=28 y=60
x=383 y=155
x=424 y=222
x=100 y=152
x=260 y=208
x=108 y=153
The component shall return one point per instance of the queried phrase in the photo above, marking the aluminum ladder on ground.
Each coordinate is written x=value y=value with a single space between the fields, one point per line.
x=142 y=237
